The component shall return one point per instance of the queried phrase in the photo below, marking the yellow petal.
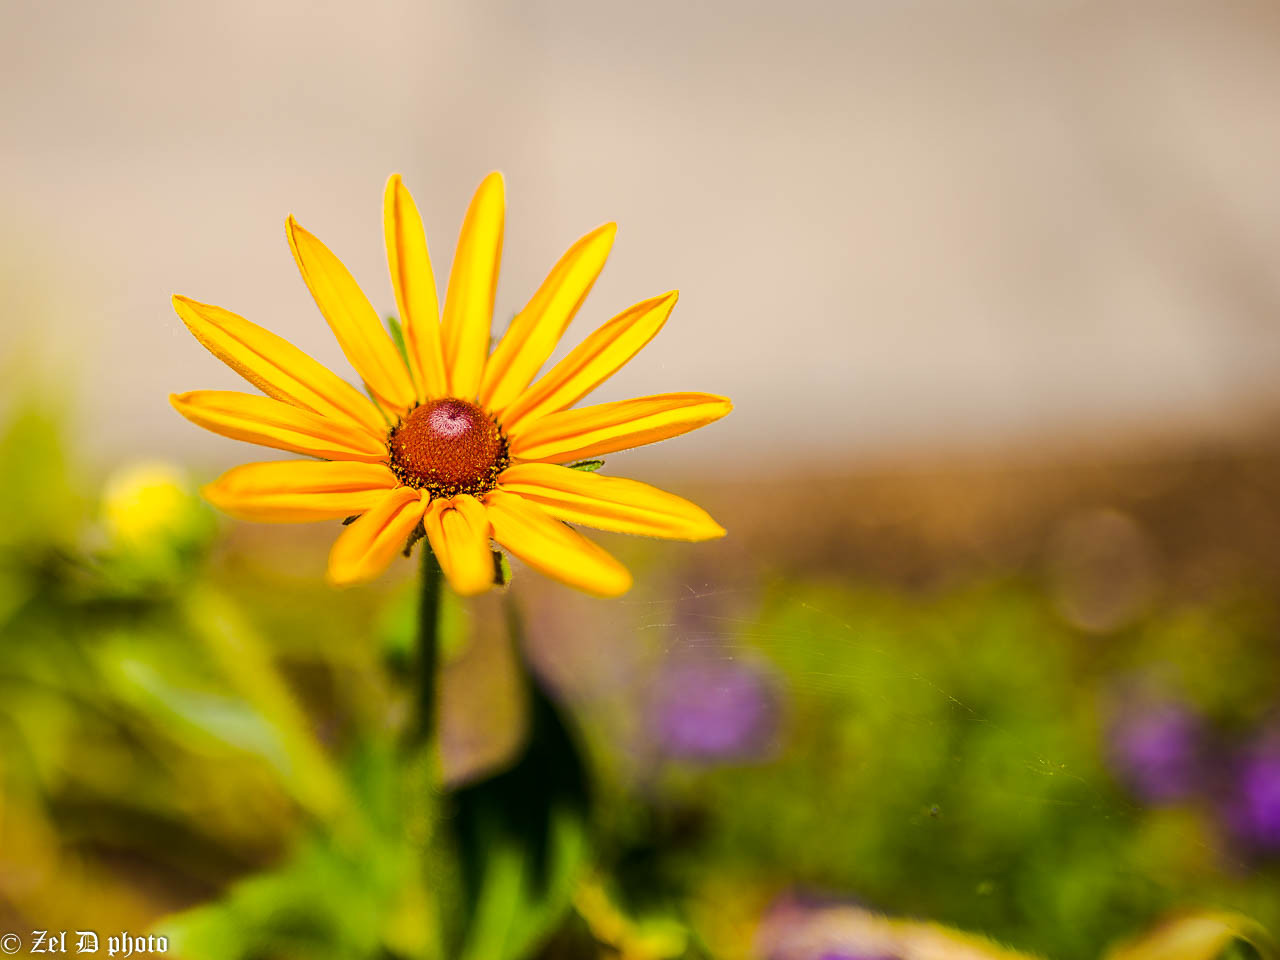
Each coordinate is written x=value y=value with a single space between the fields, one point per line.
x=609 y=427
x=415 y=287
x=367 y=547
x=473 y=282
x=609 y=503
x=296 y=491
x=551 y=548
x=245 y=416
x=458 y=530
x=275 y=366
x=353 y=321
x=536 y=329
x=592 y=362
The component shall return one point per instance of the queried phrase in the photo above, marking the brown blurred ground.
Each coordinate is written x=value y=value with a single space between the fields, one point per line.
x=1201 y=515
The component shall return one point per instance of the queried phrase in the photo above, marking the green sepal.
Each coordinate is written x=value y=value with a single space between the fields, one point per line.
x=415 y=535
x=501 y=569
x=397 y=337
x=587 y=466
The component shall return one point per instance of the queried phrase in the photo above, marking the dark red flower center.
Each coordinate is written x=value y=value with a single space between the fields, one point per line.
x=448 y=446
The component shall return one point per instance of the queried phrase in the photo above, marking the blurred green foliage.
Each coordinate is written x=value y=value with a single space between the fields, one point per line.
x=207 y=746
x=944 y=758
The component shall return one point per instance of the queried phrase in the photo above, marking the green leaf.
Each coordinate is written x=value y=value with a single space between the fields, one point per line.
x=587 y=466
x=193 y=713
x=522 y=841
x=654 y=935
x=353 y=891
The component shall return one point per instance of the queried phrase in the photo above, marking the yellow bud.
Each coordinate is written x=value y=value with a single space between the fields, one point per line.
x=146 y=502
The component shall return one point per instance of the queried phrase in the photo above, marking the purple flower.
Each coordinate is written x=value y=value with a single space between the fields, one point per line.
x=1253 y=811
x=714 y=709
x=1155 y=750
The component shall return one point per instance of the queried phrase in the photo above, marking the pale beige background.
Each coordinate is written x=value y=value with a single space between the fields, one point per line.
x=892 y=224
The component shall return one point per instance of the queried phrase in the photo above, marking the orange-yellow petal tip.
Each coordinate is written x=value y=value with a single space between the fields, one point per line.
x=723 y=402
x=187 y=309
x=291 y=228
x=710 y=530
x=212 y=493
x=395 y=184
x=620 y=584
x=475 y=588
x=345 y=573
x=607 y=232
x=337 y=580
x=494 y=185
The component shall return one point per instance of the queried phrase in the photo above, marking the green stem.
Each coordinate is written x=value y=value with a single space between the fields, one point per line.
x=423 y=725
x=423 y=776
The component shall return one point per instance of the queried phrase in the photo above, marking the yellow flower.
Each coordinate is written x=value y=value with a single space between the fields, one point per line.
x=149 y=504
x=459 y=439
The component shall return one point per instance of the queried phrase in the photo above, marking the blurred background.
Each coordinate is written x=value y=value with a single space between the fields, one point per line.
x=994 y=640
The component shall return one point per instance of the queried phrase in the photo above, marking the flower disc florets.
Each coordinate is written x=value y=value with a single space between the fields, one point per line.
x=448 y=446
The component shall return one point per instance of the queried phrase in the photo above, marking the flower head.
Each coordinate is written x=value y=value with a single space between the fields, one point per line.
x=459 y=441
